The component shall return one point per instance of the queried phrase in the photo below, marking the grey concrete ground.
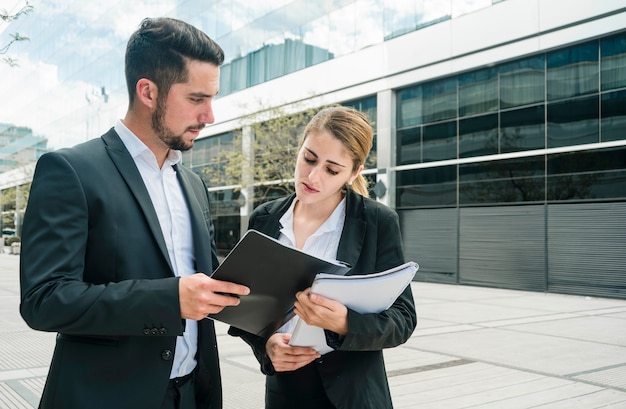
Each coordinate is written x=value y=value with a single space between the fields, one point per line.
x=474 y=348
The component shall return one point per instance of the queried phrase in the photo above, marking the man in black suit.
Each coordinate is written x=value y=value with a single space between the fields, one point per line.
x=118 y=242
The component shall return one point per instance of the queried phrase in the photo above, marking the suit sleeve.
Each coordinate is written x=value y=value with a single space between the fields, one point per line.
x=393 y=327
x=56 y=294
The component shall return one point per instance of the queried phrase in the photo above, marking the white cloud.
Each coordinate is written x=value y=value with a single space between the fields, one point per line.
x=43 y=93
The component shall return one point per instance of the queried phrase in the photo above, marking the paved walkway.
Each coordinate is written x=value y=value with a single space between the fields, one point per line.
x=474 y=348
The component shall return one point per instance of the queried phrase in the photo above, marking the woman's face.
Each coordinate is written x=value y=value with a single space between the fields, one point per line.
x=323 y=167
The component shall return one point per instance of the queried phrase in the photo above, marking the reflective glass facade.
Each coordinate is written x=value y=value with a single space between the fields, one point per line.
x=564 y=98
x=500 y=126
x=274 y=38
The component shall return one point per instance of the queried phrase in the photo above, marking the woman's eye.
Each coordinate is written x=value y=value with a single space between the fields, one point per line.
x=310 y=161
x=332 y=172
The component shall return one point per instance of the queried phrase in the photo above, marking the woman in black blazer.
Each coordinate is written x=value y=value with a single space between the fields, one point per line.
x=329 y=186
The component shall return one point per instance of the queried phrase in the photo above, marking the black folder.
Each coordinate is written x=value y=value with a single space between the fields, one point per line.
x=274 y=273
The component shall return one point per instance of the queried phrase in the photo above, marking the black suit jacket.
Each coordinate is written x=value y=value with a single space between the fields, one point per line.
x=95 y=269
x=353 y=376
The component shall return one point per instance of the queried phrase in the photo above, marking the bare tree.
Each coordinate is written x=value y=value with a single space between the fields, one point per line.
x=270 y=167
x=7 y=17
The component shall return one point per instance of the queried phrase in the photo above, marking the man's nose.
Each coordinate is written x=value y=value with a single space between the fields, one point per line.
x=206 y=116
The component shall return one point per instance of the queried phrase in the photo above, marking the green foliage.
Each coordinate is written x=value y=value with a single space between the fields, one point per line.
x=11 y=197
x=276 y=135
x=10 y=240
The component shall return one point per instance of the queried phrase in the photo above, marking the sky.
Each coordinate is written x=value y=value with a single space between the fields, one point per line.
x=69 y=82
x=48 y=92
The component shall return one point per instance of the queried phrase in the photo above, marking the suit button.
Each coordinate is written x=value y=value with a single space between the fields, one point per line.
x=163 y=331
x=154 y=331
x=166 y=355
x=146 y=331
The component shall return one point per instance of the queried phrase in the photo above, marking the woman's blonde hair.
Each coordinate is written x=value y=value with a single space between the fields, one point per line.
x=354 y=131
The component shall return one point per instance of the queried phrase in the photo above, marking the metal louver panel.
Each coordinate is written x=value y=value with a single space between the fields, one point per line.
x=430 y=239
x=587 y=249
x=503 y=247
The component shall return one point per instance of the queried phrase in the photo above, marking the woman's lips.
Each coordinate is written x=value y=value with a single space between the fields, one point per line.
x=309 y=189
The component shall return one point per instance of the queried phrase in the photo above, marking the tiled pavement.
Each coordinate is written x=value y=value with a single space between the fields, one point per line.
x=474 y=348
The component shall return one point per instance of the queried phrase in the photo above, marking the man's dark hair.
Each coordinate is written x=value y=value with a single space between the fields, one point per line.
x=159 y=51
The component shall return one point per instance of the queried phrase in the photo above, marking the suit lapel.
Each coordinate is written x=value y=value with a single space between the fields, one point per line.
x=269 y=222
x=126 y=165
x=199 y=220
x=354 y=228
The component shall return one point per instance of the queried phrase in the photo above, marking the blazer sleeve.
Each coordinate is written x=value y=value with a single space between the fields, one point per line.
x=393 y=327
x=64 y=287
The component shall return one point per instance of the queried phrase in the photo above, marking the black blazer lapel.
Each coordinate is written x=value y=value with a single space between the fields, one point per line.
x=126 y=165
x=268 y=221
x=354 y=229
x=200 y=220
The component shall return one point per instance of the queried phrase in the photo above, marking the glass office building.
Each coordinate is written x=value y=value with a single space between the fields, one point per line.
x=500 y=125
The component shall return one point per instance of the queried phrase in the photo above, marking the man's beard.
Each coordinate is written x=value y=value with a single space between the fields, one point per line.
x=165 y=134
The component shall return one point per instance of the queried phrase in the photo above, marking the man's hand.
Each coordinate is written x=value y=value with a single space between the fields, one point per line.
x=284 y=357
x=201 y=295
x=322 y=312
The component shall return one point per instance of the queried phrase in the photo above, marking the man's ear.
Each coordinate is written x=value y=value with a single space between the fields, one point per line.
x=147 y=92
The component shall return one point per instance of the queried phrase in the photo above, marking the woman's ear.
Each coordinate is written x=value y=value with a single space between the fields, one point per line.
x=355 y=174
x=147 y=92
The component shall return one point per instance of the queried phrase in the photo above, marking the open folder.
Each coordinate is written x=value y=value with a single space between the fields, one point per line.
x=274 y=273
x=370 y=293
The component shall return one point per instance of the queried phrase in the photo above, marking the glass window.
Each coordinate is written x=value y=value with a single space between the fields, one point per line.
x=399 y=17
x=573 y=122
x=505 y=181
x=238 y=74
x=369 y=107
x=522 y=129
x=439 y=100
x=280 y=59
x=207 y=158
x=613 y=63
x=613 y=123
x=343 y=23
x=409 y=109
x=368 y=29
x=409 y=146
x=573 y=71
x=587 y=175
x=440 y=141
x=478 y=136
x=316 y=34
x=430 y=12
x=478 y=92
x=258 y=66
x=522 y=82
x=225 y=80
x=431 y=187
x=460 y=7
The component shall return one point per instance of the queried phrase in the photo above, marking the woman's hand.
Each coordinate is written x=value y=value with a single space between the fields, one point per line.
x=322 y=312
x=284 y=357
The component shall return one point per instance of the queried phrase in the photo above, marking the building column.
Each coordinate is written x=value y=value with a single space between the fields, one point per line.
x=386 y=144
x=247 y=177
